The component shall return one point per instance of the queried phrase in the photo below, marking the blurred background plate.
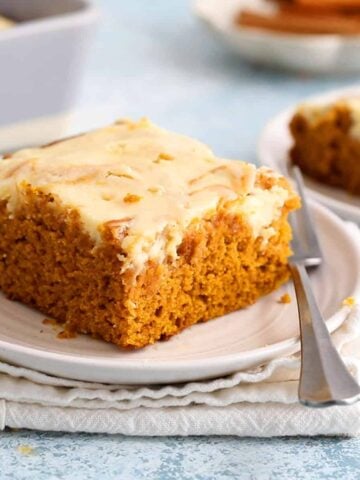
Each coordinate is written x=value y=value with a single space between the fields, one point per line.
x=275 y=142
x=305 y=53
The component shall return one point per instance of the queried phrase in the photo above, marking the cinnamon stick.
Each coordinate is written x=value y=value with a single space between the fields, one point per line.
x=293 y=23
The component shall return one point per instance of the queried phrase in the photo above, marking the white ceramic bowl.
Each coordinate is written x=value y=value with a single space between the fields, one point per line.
x=306 y=53
x=42 y=59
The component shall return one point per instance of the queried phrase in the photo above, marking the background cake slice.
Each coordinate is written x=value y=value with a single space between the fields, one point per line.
x=132 y=233
x=327 y=143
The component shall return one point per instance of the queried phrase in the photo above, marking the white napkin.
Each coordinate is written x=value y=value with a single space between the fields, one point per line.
x=259 y=402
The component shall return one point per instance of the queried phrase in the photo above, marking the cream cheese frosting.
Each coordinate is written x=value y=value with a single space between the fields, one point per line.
x=314 y=111
x=142 y=179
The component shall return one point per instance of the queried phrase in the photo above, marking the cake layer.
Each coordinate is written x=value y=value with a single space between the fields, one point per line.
x=144 y=182
x=48 y=261
x=327 y=142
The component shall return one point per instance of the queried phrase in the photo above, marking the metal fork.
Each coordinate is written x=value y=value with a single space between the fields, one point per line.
x=324 y=378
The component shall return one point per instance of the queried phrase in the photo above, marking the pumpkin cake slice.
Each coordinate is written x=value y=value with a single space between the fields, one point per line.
x=132 y=233
x=326 y=142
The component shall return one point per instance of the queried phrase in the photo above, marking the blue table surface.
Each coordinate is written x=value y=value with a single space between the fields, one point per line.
x=153 y=58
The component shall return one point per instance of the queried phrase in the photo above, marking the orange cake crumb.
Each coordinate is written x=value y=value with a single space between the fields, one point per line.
x=130 y=198
x=286 y=298
x=66 y=334
x=163 y=156
x=25 y=449
x=49 y=321
x=349 y=302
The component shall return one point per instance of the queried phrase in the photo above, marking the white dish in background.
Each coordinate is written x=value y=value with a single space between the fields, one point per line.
x=306 y=53
x=236 y=341
x=275 y=142
x=42 y=58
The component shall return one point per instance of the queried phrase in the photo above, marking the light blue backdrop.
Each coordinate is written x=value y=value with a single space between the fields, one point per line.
x=152 y=58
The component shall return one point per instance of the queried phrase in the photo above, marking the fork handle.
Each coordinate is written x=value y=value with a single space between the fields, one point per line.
x=324 y=378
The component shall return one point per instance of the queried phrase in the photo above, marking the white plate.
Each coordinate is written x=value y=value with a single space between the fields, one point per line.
x=236 y=341
x=307 y=53
x=275 y=142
